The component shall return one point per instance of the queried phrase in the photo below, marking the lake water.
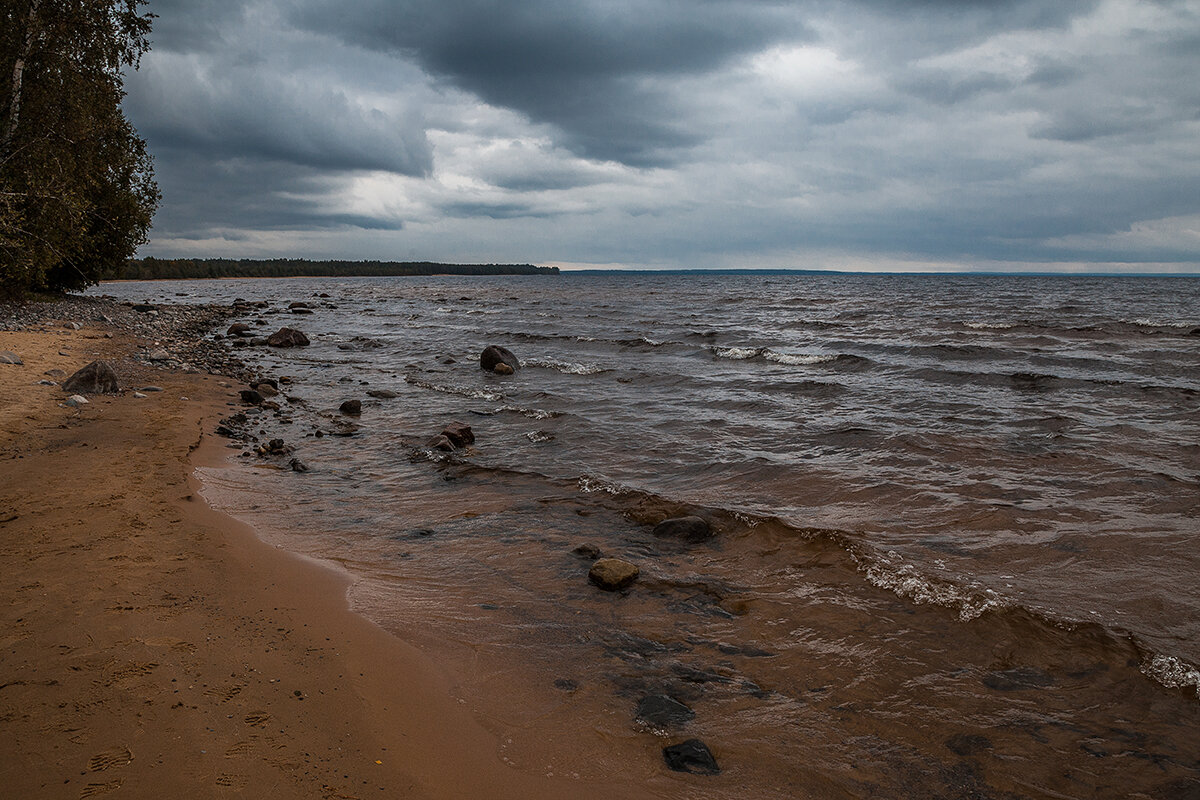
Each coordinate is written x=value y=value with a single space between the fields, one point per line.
x=957 y=549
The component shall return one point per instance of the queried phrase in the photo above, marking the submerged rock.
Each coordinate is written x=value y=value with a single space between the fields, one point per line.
x=440 y=442
x=493 y=355
x=96 y=378
x=612 y=574
x=687 y=529
x=663 y=711
x=351 y=407
x=587 y=551
x=691 y=756
x=381 y=394
x=459 y=433
x=287 y=337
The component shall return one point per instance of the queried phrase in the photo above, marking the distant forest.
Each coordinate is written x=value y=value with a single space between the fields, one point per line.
x=146 y=269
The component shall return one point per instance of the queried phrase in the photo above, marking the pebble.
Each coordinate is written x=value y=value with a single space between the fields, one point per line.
x=76 y=400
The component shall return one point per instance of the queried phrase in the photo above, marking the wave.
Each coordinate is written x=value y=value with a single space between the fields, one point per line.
x=565 y=367
x=461 y=391
x=787 y=359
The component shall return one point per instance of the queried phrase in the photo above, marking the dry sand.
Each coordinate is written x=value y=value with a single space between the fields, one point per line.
x=152 y=647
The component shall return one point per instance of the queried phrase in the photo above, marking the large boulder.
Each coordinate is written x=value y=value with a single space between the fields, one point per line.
x=612 y=574
x=687 y=529
x=96 y=378
x=287 y=337
x=493 y=355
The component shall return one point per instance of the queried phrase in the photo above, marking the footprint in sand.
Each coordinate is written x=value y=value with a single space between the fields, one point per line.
x=93 y=789
x=227 y=781
x=116 y=757
x=257 y=718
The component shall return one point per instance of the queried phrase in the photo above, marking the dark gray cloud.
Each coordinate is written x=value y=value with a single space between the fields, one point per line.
x=584 y=66
x=682 y=132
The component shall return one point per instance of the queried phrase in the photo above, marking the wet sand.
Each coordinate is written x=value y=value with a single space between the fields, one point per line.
x=153 y=647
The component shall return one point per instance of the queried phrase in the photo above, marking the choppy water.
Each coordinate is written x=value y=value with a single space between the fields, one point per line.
x=958 y=549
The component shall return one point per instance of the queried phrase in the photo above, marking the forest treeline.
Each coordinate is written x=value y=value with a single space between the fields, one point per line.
x=179 y=268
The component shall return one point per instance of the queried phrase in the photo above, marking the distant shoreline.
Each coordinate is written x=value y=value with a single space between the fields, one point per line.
x=205 y=268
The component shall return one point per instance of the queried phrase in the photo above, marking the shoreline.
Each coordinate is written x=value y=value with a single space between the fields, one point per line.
x=157 y=646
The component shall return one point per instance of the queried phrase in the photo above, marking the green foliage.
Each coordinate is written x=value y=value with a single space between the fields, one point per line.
x=178 y=268
x=77 y=189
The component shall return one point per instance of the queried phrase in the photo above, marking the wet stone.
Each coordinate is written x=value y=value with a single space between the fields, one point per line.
x=459 y=433
x=612 y=574
x=381 y=394
x=692 y=756
x=251 y=397
x=687 y=529
x=663 y=711
x=587 y=551
x=502 y=369
x=351 y=407
x=287 y=337
x=493 y=355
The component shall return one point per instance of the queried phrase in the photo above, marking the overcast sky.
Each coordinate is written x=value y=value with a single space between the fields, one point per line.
x=877 y=134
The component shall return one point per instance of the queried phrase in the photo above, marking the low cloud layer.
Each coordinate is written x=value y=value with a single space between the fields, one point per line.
x=925 y=134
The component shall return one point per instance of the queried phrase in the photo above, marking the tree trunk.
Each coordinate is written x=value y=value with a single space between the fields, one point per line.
x=14 y=107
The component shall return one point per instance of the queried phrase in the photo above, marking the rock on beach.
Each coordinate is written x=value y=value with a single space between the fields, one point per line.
x=96 y=378
x=9 y=357
x=287 y=337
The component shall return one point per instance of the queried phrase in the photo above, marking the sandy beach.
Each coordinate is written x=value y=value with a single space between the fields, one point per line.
x=152 y=647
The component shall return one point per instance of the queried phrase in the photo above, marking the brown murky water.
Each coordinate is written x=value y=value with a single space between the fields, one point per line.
x=957 y=549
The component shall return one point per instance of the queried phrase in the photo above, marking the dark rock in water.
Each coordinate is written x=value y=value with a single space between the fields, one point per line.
x=9 y=357
x=251 y=397
x=502 y=369
x=287 y=337
x=278 y=447
x=440 y=442
x=265 y=389
x=612 y=574
x=493 y=355
x=587 y=551
x=688 y=529
x=341 y=428
x=96 y=378
x=1194 y=332
x=966 y=744
x=663 y=711
x=344 y=346
x=258 y=341
x=381 y=394
x=297 y=304
x=1008 y=680
x=274 y=384
x=691 y=756
x=351 y=407
x=238 y=329
x=459 y=433
x=302 y=311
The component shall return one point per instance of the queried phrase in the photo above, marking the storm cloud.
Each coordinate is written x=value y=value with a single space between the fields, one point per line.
x=926 y=134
